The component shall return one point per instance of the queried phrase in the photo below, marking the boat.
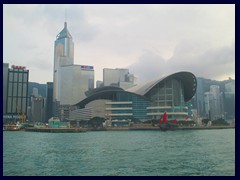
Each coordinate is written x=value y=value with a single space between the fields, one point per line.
x=165 y=125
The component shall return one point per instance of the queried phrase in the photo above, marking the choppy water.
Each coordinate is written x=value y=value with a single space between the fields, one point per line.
x=125 y=153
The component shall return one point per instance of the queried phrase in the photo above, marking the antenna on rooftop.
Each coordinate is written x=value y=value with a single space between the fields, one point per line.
x=65 y=14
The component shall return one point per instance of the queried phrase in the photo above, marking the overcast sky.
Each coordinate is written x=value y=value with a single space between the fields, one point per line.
x=151 y=40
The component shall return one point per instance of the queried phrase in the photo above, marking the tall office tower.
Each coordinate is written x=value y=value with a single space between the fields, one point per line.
x=5 y=83
x=37 y=109
x=230 y=87
x=199 y=97
x=215 y=90
x=15 y=92
x=229 y=105
x=63 y=54
x=49 y=101
x=118 y=77
x=209 y=105
x=73 y=82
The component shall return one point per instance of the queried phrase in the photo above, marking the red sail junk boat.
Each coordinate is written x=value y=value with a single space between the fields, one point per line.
x=165 y=125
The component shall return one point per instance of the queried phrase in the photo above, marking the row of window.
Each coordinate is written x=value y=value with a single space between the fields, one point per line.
x=17 y=89
x=18 y=76
x=168 y=93
x=16 y=105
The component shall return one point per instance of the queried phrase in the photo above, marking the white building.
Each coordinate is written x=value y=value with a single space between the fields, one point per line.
x=73 y=81
x=70 y=81
x=35 y=92
x=118 y=77
x=99 y=84
x=63 y=52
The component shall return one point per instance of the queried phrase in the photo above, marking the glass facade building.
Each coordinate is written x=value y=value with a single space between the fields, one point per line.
x=49 y=101
x=63 y=54
x=170 y=94
x=16 y=92
x=167 y=96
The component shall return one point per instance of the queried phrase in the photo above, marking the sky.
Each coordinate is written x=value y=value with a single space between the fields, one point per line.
x=151 y=40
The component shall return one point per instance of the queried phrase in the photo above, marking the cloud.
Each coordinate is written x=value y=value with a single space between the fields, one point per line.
x=192 y=57
x=160 y=38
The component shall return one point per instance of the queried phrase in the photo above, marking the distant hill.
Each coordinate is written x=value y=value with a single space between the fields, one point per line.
x=41 y=88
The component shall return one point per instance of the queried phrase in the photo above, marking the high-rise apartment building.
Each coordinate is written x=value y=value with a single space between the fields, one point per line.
x=15 y=90
x=215 y=90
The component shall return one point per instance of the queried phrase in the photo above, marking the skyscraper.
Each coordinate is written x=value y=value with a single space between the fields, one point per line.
x=70 y=81
x=15 y=91
x=5 y=84
x=37 y=109
x=49 y=101
x=63 y=54
x=215 y=90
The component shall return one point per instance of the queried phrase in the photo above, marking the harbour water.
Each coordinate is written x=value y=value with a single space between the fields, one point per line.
x=120 y=153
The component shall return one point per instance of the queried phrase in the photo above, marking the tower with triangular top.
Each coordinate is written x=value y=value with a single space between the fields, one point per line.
x=63 y=55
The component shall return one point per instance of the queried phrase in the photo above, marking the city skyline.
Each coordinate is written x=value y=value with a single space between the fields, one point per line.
x=149 y=40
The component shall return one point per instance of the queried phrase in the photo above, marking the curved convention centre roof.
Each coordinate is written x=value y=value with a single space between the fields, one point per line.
x=188 y=79
x=106 y=92
x=102 y=89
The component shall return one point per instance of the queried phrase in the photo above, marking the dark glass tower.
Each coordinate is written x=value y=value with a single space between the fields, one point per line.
x=17 y=90
x=49 y=101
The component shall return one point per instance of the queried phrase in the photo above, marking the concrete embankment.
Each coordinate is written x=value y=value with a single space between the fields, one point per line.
x=79 y=130
x=205 y=128
x=157 y=128
x=57 y=130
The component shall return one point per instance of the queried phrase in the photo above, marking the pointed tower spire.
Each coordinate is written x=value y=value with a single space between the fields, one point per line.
x=65 y=23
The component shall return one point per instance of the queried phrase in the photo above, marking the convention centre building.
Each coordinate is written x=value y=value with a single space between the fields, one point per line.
x=149 y=101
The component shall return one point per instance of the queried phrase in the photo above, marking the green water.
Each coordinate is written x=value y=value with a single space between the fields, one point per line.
x=120 y=153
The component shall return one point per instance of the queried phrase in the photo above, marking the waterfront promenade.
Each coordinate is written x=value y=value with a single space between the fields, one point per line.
x=79 y=130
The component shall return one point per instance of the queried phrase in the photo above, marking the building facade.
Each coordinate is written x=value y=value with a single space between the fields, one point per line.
x=49 y=101
x=5 y=85
x=70 y=81
x=229 y=105
x=147 y=102
x=63 y=52
x=118 y=77
x=15 y=92
x=217 y=101
x=37 y=109
x=73 y=82
x=209 y=103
